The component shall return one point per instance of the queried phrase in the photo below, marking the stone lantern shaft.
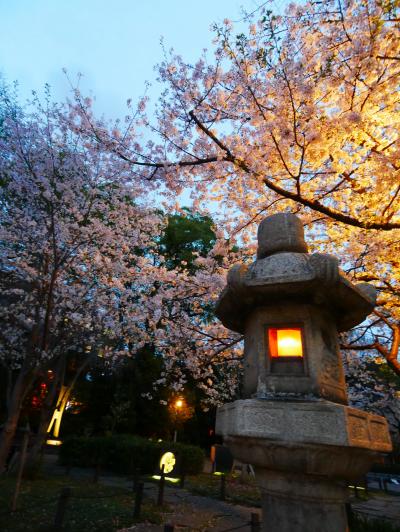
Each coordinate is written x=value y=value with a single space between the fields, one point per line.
x=294 y=424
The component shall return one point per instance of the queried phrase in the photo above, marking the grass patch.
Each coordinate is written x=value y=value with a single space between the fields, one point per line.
x=92 y=507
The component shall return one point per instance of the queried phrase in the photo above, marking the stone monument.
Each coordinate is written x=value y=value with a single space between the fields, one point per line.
x=293 y=423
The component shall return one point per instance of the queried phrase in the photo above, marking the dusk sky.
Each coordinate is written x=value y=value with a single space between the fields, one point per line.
x=115 y=45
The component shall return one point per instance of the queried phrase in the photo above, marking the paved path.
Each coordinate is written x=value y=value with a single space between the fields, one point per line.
x=196 y=513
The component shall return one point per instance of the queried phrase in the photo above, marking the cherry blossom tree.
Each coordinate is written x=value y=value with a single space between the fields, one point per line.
x=300 y=113
x=80 y=267
x=180 y=323
x=71 y=218
x=372 y=386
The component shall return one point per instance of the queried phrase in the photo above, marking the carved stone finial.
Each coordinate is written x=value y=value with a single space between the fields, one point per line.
x=279 y=233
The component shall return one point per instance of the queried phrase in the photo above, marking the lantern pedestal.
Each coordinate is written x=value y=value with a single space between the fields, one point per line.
x=304 y=453
x=301 y=503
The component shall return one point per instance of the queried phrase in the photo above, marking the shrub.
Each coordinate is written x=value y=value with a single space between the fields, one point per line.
x=125 y=454
x=192 y=457
x=361 y=524
x=393 y=469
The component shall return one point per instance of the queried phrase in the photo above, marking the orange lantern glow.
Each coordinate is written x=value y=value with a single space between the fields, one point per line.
x=285 y=342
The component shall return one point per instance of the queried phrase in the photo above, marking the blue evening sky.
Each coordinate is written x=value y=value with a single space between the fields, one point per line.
x=114 y=44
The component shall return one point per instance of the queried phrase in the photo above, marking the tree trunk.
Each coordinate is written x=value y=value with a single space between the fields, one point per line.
x=22 y=385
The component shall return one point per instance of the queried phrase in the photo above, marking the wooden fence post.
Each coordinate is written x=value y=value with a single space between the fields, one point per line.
x=161 y=484
x=349 y=514
x=138 y=499
x=68 y=468
x=63 y=500
x=136 y=478
x=21 y=466
x=366 y=485
x=222 y=487
x=96 y=472
x=255 y=525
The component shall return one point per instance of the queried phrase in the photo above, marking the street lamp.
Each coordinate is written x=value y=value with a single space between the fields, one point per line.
x=178 y=405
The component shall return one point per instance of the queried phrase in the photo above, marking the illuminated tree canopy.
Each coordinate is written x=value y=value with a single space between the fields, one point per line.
x=300 y=113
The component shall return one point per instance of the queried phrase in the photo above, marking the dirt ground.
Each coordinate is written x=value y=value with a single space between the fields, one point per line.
x=194 y=513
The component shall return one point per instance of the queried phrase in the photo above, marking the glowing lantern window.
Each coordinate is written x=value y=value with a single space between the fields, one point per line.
x=285 y=342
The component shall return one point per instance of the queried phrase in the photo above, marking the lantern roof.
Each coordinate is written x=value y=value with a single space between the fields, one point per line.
x=284 y=270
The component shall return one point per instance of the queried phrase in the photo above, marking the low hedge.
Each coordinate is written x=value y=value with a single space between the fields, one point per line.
x=126 y=454
x=393 y=469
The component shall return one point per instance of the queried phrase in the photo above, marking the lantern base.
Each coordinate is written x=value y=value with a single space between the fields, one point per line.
x=317 y=422
x=301 y=503
x=304 y=453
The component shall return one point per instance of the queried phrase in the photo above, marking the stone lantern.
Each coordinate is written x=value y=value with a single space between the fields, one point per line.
x=294 y=424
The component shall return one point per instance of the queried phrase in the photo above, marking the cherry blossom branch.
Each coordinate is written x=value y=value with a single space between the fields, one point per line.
x=390 y=355
x=295 y=196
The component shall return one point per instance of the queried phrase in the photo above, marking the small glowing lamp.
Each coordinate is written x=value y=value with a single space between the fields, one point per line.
x=168 y=461
x=179 y=403
x=285 y=342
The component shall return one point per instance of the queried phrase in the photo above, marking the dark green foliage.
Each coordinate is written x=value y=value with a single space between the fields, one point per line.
x=114 y=398
x=186 y=237
x=125 y=454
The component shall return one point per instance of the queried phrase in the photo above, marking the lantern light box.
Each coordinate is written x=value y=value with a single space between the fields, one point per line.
x=285 y=342
x=286 y=350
